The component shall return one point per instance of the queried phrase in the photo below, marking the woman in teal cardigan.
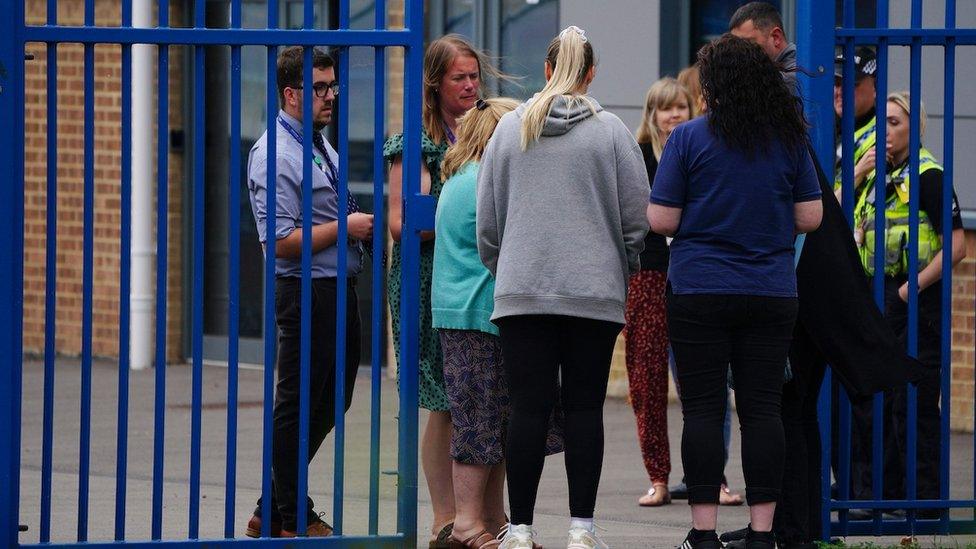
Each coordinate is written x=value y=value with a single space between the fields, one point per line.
x=462 y=300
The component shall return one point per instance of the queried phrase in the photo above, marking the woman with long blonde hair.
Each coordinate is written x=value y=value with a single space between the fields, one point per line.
x=667 y=104
x=561 y=193
x=461 y=303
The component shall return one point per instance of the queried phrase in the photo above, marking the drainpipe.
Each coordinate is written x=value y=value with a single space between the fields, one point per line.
x=143 y=193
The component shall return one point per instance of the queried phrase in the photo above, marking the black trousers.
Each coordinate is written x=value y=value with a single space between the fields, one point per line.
x=896 y=406
x=797 y=518
x=751 y=335
x=538 y=351
x=322 y=383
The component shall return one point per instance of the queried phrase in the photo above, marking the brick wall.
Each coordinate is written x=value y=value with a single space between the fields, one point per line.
x=963 y=325
x=70 y=185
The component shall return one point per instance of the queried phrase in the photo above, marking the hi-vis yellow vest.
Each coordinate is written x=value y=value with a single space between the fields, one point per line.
x=864 y=139
x=896 y=222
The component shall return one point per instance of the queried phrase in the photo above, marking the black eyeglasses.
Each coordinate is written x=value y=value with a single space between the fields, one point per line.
x=321 y=89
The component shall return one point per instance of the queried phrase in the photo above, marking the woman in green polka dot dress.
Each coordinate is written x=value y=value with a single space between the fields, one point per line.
x=452 y=84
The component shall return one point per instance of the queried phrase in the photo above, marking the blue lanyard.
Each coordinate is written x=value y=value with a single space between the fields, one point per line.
x=447 y=131
x=332 y=174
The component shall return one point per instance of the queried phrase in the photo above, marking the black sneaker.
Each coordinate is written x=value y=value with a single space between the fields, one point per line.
x=759 y=540
x=678 y=491
x=734 y=535
x=704 y=540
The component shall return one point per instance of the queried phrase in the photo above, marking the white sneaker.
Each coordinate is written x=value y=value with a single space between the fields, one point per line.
x=581 y=538
x=518 y=536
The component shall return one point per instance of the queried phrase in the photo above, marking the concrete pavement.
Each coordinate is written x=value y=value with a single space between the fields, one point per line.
x=624 y=479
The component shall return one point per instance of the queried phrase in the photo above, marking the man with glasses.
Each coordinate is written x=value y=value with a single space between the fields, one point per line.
x=290 y=229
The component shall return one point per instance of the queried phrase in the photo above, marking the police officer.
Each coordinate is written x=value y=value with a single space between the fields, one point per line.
x=865 y=94
x=898 y=181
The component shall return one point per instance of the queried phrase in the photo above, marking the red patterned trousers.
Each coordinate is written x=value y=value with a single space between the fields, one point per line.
x=646 y=338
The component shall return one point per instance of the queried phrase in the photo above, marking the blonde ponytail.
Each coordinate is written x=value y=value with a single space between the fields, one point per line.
x=570 y=57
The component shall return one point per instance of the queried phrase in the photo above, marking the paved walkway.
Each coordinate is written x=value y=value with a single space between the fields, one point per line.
x=627 y=525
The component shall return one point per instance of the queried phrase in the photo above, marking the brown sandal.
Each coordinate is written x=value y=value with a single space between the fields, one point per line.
x=481 y=540
x=443 y=539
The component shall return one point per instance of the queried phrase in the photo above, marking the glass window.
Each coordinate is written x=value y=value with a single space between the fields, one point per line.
x=527 y=26
x=865 y=13
x=459 y=18
x=710 y=19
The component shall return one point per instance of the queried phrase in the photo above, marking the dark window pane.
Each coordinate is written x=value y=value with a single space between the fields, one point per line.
x=527 y=29
x=710 y=19
x=459 y=18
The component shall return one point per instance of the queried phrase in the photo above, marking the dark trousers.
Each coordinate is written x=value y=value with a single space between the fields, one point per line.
x=798 y=518
x=751 y=335
x=896 y=406
x=322 y=383
x=539 y=351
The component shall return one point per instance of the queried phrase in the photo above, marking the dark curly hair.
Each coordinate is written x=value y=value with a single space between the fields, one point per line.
x=749 y=104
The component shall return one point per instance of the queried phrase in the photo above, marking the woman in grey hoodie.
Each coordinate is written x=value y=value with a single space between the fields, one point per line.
x=561 y=224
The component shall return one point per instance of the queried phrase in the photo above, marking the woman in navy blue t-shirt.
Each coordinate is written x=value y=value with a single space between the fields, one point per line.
x=734 y=188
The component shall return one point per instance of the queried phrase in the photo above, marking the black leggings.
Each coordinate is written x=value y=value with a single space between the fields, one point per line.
x=751 y=335
x=538 y=351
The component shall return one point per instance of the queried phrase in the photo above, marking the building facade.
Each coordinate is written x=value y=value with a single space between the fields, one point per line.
x=636 y=41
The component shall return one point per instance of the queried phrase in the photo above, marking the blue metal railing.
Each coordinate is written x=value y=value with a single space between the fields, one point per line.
x=418 y=216
x=819 y=35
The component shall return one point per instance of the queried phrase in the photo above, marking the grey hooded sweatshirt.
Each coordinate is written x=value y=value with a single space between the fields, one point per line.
x=561 y=225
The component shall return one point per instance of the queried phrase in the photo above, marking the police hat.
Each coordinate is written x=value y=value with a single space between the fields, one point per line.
x=865 y=63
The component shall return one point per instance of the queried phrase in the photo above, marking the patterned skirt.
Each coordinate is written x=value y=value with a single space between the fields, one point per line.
x=478 y=395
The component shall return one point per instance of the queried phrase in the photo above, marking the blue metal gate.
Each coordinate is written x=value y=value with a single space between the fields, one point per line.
x=818 y=41
x=16 y=34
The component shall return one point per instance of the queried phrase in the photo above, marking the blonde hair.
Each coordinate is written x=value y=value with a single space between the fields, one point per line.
x=663 y=93
x=474 y=131
x=903 y=100
x=690 y=78
x=570 y=57
x=437 y=61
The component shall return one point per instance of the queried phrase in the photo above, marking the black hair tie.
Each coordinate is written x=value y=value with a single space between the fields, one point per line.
x=481 y=104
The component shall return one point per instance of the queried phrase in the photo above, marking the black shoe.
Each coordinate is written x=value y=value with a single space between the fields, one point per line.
x=759 y=540
x=734 y=535
x=860 y=514
x=703 y=540
x=736 y=544
x=929 y=514
x=678 y=491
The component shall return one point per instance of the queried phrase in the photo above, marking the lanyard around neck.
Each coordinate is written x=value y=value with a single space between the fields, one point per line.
x=332 y=173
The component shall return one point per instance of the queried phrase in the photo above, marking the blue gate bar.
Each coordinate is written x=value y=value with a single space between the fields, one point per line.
x=162 y=266
x=11 y=269
x=199 y=183
x=393 y=541
x=945 y=343
x=414 y=216
x=217 y=37
x=306 y=288
x=270 y=330
x=233 y=274
x=50 y=279
x=342 y=293
x=880 y=132
x=88 y=241
x=378 y=333
x=125 y=275
x=905 y=37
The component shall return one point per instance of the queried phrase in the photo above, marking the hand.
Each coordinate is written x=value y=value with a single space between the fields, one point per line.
x=360 y=226
x=903 y=292
x=863 y=167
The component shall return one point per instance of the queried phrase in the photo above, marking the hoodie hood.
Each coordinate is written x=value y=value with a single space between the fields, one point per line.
x=564 y=113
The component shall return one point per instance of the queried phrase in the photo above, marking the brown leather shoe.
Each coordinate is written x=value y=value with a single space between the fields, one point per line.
x=315 y=529
x=254 y=528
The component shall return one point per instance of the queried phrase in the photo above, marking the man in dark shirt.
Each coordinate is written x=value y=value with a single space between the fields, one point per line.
x=289 y=231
